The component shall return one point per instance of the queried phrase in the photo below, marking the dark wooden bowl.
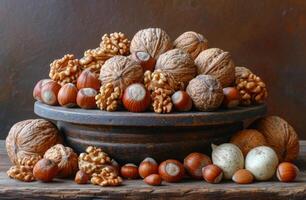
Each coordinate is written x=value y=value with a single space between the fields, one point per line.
x=130 y=137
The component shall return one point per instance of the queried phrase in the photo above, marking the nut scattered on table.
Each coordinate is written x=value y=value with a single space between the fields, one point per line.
x=22 y=173
x=107 y=177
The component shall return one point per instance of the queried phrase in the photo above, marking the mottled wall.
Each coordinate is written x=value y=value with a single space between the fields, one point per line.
x=269 y=36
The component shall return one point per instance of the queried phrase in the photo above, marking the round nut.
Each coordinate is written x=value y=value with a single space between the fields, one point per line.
x=212 y=173
x=147 y=167
x=37 y=88
x=45 y=170
x=287 y=172
x=194 y=163
x=171 y=170
x=181 y=101
x=86 y=98
x=81 y=177
x=136 y=98
x=243 y=176
x=49 y=92
x=145 y=60
x=231 y=97
x=88 y=79
x=129 y=171
x=153 y=179
x=67 y=95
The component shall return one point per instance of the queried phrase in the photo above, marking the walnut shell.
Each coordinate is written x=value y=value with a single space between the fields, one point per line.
x=154 y=41
x=248 y=139
x=191 y=42
x=65 y=158
x=121 y=71
x=179 y=65
x=30 y=138
x=206 y=92
x=217 y=63
x=280 y=136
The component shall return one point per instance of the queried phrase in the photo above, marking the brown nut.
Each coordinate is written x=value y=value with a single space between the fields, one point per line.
x=147 y=167
x=181 y=101
x=171 y=170
x=287 y=172
x=212 y=173
x=194 y=163
x=88 y=79
x=67 y=95
x=145 y=60
x=86 y=98
x=37 y=88
x=45 y=170
x=153 y=179
x=231 y=97
x=81 y=177
x=129 y=171
x=49 y=93
x=136 y=98
x=243 y=176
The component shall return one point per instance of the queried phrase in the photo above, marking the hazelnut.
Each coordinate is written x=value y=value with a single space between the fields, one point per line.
x=194 y=163
x=147 y=167
x=153 y=179
x=81 y=177
x=86 y=98
x=212 y=173
x=115 y=165
x=145 y=60
x=287 y=172
x=136 y=98
x=49 y=92
x=88 y=79
x=45 y=170
x=231 y=97
x=171 y=170
x=129 y=171
x=67 y=95
x=181 y=101
x=243 y=176
x=37 y=88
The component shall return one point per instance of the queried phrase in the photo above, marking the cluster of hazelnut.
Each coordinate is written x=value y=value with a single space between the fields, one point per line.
x=151 y=71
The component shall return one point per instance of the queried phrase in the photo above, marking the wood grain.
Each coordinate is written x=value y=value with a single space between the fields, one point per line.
x=136 y=189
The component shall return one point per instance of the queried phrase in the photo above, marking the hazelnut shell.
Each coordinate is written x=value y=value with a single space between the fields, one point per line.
x=67 y=95
x=171 y=170
x=45 y=170
x=194 y=163
x=153 y=179
x=243 y=176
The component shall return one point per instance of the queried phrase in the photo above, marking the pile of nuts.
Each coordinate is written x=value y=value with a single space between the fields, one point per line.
x=163 y=68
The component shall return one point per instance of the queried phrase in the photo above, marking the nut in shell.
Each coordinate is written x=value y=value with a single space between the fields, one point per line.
x=206 y=92
x=243 y=176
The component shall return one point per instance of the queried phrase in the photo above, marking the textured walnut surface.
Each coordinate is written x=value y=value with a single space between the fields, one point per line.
x=206 y=92
x=178 y=64
x=121 y=72
x=21 y=173
x=154 y=41
x=191 y=42
x=30 y=139
x=217 y=63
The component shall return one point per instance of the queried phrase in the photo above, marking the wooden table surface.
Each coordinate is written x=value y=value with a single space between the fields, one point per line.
x=136 y=189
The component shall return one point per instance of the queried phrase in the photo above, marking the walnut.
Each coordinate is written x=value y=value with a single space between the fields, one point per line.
x=162 y=100
x=28 y=140
x=206 y=92
x=22 y=173
x=251 y=88
x=280 y=135
x=93 y=63
x=29 y=161
x=154 y=41
x=115 y=43
x=109 y=97
x=107 y=177
x=191 y=42
x=65 y=70
x=178 y=64
x=217 y=63
x=158 y=79
x=94 y=160
x=121 y=71
x=65 y=158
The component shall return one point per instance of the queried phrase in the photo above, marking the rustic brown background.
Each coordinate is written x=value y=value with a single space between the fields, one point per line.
x=269 y=36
